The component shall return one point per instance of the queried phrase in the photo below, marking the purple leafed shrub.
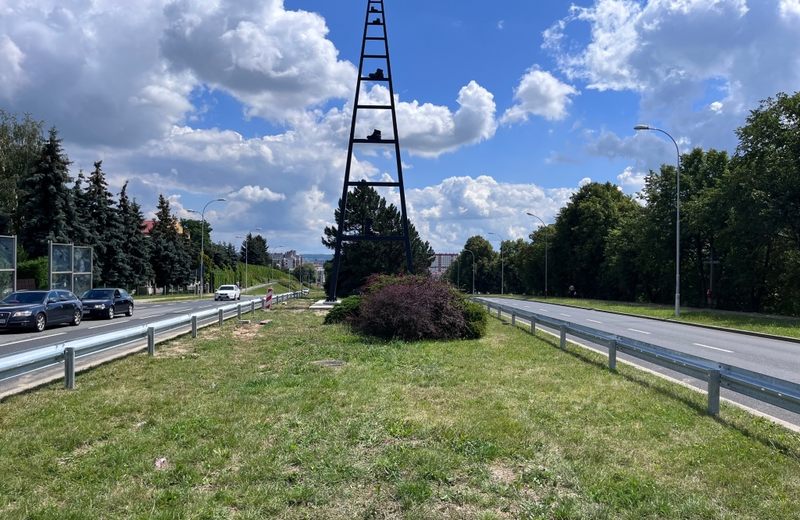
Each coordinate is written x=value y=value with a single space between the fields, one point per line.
x=414 y=308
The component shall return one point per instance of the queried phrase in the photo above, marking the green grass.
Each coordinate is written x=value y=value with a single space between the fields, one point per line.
x=767 y=324
x=509 y=426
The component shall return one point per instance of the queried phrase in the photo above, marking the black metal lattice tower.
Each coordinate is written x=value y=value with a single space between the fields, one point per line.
x=374 y=31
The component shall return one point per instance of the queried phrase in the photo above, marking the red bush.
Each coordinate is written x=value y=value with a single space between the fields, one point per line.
x=412 y=308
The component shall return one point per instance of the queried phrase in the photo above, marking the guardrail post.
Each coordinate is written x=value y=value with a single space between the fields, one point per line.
x=69 y=368
x=513 y=318
x=151 y=341
x=713 y=392
x=563 y=337
x=499 y=313
x=533 y=325
x=612 y=355
x=194 y=327
x=239 y=311
x=221 y=317
x=253 y=307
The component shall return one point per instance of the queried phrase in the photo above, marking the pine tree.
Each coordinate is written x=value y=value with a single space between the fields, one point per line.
x=135 y=242
x=361 y=259
x=104 y=226
x=168 y=254
x=257 y=251
x=47 y=210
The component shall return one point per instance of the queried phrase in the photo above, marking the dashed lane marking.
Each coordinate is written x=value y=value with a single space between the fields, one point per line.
x=594 y=321
x=29 y=339
x=639 y=331
x=715 y=348
x=103 y=325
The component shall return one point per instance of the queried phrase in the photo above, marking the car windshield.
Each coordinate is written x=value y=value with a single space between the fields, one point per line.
x=98 y=293
x=227 y=288
x=25 y=297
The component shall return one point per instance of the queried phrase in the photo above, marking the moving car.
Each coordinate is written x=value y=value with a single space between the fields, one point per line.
x=227 y=292
x=38 y=309
x=107 y=303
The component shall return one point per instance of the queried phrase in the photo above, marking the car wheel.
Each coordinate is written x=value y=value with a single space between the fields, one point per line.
x=111 y=313
x=77 y=317
x=130 y=310
x=41 y=322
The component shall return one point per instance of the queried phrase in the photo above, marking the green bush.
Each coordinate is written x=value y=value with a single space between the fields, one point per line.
x=346 y=311
x=477 y=319
x=36 y=269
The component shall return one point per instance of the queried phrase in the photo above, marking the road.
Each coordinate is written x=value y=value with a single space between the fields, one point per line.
x=768 y=356
x=13 y=341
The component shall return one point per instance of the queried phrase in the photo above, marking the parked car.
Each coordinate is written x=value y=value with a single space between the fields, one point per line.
x=107 y=303
x=38 y=309
x=227 y=292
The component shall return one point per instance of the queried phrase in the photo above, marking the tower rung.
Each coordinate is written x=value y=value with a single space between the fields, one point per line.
x=375 y=56
x=382 y=141
x=376 y=37
x=376 y=183
x=384 y=107
x=364 y=238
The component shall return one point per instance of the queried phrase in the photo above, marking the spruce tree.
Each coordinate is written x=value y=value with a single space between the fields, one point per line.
x=47 y=210
x=168 y=255
x=367 y=212
x=134 y=242
x=104 y=227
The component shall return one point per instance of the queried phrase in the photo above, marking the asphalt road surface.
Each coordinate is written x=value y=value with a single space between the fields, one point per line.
x=13 y=341
x=773 y=357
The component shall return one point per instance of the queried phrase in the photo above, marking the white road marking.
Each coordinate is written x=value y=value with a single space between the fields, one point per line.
x=594 y=321
x=715 y=348
x=103 y=325
x=29 y=339
x=640 y=331
x=567 y=315
x=544 y=310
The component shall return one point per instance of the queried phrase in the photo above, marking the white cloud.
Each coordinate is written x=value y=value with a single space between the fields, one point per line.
x=12 y=77
x=539 y=93
x=631 y=179
x=256 y=194
x=790 y=8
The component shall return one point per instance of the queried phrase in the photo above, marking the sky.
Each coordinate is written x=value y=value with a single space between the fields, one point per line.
x=503 y=108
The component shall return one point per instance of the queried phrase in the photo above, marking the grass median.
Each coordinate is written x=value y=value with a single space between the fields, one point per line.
x=299 y=420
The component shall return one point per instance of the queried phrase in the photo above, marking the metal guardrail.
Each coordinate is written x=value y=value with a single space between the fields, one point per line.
x=25 y=362
x=768 y=389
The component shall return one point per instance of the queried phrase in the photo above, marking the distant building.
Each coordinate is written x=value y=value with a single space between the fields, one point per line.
x=320 y=273
x=147 y=226
x=287 y=260
x=441 y=262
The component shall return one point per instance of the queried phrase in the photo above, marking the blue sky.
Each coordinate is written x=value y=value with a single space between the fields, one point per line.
x=503 y=107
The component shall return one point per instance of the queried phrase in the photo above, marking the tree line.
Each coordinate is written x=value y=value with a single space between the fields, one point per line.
x=740 y=221
x=40 y=201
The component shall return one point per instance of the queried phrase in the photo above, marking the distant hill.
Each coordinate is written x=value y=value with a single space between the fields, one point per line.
x=316 y=258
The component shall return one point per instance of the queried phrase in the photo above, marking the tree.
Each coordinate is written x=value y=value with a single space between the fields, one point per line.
x=254 y=249
x=487 y=266
x=168 y=254
x=582 y=228
x=21 y=143
x=134 y=241
x=305 y=272
x=46 y=206
x=361 y=259
x=104 y=226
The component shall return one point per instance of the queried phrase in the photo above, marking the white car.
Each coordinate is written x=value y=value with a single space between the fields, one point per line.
x=227 y=292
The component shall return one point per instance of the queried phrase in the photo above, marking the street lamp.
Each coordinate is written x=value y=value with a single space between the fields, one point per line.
x=545 y=254
x=473 y=269
x=502 y=285
x=202 y=243
x=677 y=219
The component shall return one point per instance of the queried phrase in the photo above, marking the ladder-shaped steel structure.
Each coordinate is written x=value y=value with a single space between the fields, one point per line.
x=374 y=31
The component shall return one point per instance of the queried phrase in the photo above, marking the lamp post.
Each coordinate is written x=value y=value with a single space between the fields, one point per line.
x=677 y=219
x=502 y=284
x=473 y=269
x=202 y=243
x=545 y=253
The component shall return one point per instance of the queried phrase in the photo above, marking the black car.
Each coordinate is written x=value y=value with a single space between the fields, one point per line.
x=38 y=309
x=107 y=303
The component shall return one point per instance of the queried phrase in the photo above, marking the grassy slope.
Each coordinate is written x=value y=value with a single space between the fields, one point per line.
x=778 y=325
x=504 y=427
